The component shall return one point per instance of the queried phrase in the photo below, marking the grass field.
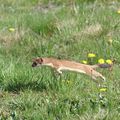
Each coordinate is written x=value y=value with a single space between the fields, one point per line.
x=64 y=29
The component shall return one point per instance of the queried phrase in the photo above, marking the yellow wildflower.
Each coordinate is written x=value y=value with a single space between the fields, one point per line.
x=91 y=55
x=118 y=11
x=11 y=29
x=109 y=61
x=84 y=62
x=103 y=89
x=101 y=61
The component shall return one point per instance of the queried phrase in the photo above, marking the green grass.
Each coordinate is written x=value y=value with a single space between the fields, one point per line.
x=63 y=30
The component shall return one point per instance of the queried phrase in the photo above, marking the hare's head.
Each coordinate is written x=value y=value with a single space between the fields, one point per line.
x=37 y=61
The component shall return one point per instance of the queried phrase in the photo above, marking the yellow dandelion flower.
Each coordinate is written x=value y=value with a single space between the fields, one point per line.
x=101 y=61
x=91 y=55
x=103 y=89
x=11 y=29
x=84 y=62
x=118 y=11
x=109 y=61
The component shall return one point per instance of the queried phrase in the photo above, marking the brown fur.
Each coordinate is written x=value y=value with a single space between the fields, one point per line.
x=61 y=65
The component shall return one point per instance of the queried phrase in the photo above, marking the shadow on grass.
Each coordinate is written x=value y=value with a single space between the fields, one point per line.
x=33 y=85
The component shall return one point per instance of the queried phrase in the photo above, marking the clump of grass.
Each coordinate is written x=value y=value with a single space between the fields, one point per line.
x=40 y=26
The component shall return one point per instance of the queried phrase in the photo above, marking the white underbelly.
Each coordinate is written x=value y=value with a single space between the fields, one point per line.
x=72 y=69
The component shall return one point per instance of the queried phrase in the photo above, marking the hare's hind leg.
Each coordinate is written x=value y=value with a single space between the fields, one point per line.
x=96 y=75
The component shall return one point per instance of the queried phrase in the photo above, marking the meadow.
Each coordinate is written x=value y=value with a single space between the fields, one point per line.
x=63 y=29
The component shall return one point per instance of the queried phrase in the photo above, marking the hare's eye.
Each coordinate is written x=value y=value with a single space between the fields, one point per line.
x=34 y=64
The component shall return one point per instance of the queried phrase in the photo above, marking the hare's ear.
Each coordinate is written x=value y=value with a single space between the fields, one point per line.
x=35 y=59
